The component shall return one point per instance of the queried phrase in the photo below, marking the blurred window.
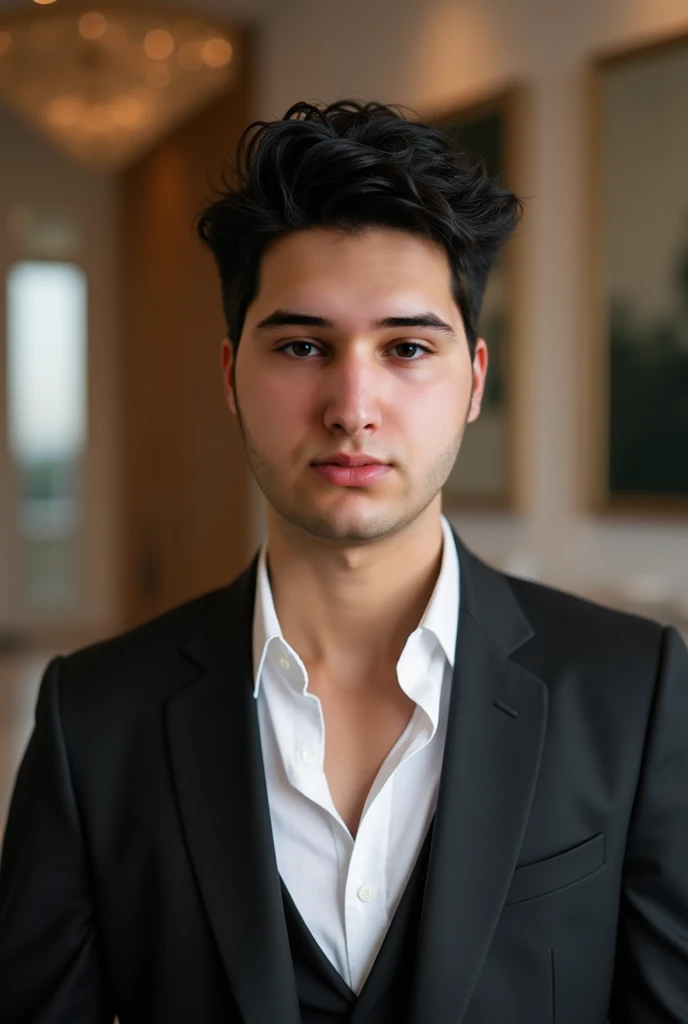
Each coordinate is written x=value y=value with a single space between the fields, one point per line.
x=47 y=418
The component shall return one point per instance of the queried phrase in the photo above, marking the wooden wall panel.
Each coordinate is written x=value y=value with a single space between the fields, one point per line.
x=186 y=484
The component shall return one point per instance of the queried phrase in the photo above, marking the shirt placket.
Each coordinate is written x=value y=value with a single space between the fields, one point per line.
x=365 y=894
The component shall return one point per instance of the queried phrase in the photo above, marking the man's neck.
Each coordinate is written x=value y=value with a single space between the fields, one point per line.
x=351 y=621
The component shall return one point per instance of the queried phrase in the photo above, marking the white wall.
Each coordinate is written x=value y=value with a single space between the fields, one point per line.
x=434 y=54
x=34 y=174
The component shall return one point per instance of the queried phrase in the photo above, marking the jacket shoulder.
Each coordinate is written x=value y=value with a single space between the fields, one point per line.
x=569 y=619
x=148 y=655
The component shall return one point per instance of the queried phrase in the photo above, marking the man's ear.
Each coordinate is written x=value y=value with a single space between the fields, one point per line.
x=480 y=364
x=228 y=367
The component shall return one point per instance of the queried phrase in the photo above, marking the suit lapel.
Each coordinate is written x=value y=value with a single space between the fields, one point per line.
x=495 y=735
x=220 y=783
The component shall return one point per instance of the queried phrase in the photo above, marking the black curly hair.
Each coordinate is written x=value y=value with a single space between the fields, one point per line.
x=352 y=165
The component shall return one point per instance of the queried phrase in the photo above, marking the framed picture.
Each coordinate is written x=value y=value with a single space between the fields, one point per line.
x=637 y=374
x=488 y=473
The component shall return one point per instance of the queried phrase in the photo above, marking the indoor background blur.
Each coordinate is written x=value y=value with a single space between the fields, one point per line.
x=123 y=485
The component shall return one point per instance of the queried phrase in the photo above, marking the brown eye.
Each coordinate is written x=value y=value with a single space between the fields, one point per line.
x=290 y=344
x=414 y=344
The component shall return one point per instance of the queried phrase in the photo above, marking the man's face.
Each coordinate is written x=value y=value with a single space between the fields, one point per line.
x=306 y=392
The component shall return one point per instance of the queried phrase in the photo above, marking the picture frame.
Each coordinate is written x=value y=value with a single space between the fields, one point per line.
x=490 y=473
x=635 y=403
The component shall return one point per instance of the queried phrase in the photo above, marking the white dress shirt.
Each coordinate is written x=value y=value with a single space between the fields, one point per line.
x=347 y=890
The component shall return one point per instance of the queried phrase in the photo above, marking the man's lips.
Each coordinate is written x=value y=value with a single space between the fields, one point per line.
x=352 y=476
x=350 y=461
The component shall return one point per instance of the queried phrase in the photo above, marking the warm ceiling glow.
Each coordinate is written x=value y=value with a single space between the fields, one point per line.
x=158 y=44
x=158 y=75
x=98 y=118
x=41 y=35
x=44 y=1
x=103 y=82
x=128 y=111
x=216 y=53
x=92 y=25
x=115 y=37
x=189 y=56
x=64 y=111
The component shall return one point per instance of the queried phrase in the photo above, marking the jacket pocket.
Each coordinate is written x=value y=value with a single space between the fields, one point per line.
x=554 y=873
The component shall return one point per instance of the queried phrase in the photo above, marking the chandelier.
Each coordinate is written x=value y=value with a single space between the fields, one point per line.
x=105 y=82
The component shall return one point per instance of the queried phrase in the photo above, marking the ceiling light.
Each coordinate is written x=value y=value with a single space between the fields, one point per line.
x=216 y=53
x=44 y=1
x=92 y=25
x=158 y=44
x=104 y=103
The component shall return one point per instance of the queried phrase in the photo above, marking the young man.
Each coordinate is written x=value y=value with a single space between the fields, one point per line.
x=372 y=779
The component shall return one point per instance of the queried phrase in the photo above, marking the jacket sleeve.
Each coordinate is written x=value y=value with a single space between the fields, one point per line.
x=50 y=965
x=651 y=969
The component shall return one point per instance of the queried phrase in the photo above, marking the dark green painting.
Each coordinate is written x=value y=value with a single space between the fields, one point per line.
x=643 y=192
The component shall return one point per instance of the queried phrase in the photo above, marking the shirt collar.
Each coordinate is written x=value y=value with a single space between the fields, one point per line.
x=440 y=617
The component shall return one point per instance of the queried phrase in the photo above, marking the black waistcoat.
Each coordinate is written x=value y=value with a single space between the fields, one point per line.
x=324 y=996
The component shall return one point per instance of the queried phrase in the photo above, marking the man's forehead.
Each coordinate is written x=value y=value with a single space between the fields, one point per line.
x=386 y=283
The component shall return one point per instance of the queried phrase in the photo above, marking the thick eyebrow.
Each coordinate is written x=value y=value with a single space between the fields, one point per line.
x=287 y=318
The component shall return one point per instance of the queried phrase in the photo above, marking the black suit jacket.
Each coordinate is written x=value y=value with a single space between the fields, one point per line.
x=139 y=878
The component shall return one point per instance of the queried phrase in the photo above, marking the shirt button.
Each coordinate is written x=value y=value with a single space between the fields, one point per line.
x=307 y=754
x=366 y=893
x=284 y=662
